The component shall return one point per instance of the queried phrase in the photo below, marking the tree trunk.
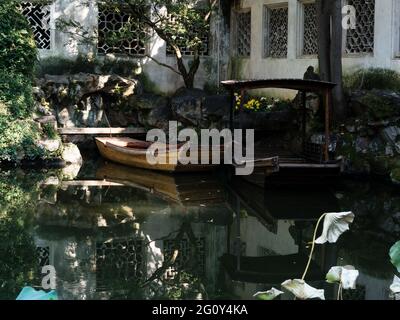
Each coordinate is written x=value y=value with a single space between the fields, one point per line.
x=336 y=60
x=323 y=17
x=330 y=46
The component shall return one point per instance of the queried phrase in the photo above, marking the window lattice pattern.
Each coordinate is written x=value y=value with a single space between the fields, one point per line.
x=186 y=253
x=277 y=32
x=43 y=255
x=361 y=39
x=243 y=33
x=310 y=37
x=119 y=261
x=113 y=22
x=39 y=18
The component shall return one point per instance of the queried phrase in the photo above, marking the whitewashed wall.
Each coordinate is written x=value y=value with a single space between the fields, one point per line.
x=385 y=55
x=64 y=45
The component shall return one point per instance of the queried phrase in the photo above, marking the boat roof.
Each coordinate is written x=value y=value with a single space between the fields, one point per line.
x=293 y=84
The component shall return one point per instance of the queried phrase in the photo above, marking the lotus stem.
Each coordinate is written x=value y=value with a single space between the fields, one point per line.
x=313 y=246
x=339 y=294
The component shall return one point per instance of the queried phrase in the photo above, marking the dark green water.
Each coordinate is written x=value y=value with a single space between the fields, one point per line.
x=119 y=233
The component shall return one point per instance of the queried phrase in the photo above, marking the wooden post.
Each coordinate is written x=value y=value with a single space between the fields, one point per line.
x=327 y=123
x=304 y=121
x=232 y=110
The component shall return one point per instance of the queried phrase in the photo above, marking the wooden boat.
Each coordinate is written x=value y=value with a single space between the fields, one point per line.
x=132 y=152
x=187 y=190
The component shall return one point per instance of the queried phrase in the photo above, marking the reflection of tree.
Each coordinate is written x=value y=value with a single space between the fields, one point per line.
x=187 y=280
x=186 y=283
x=19 y=261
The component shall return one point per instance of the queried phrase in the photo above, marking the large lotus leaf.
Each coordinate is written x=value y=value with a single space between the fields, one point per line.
x=268 y=295
x=347 y=276
x=395 y=255
x=335 y=224
x=302 y=290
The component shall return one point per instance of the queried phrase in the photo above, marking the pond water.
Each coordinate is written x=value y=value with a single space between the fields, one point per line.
x=114 y=232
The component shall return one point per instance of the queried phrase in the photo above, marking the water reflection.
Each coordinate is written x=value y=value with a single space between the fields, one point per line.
x=122 y=233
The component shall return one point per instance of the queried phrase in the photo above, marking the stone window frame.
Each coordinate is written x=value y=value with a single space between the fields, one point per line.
x=265 y=27
x=300 y=29
x=235 y=24
x=52 y=27
x=344 y=40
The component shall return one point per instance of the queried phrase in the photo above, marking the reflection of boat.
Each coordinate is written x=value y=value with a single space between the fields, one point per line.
x=193 y=189
x=134 y=153
x=270 y=269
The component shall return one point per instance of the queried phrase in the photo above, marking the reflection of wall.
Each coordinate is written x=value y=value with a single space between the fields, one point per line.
x=257 y=237
x=90 y=267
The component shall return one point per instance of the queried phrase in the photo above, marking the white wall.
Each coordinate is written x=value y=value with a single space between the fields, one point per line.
x=294 y=66
x=64 y=45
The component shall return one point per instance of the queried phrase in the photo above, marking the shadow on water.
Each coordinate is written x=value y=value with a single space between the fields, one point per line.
x=114 y=232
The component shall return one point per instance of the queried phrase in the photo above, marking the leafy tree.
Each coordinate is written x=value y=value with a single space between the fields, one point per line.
x=179 y=23
x=17 y=46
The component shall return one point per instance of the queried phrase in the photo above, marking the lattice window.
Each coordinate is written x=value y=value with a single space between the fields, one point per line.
x=111 y=23
x=43 y=255
x=119 y=261
x=276 y=32
x=361 y=39
x=243 y=33
x=38 y=16
x=186 y=252
x=310 y=27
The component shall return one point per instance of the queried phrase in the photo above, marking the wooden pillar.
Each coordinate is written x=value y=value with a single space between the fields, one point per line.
x=232 y=109
x=327 y=100
x=304 y=119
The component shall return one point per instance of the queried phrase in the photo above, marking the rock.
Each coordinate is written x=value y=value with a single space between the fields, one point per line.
x=50 y=145
x=217 y=107
x=71 y=171
x=150 y=101
x=71 y=154
x=362 y=144
x=187 y=106
x=159 y=117
x=395 y=176
x=78 y=99
x=378 y=105
x=392 y=136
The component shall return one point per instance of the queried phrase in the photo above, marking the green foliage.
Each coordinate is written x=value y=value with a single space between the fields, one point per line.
x=15 y=95
x=373 y=78
x=379 y=108
x=18 y=140
x=19 y=261
x=17 y=46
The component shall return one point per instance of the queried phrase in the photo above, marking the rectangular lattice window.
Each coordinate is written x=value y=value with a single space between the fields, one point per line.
x=361 y=39
x=119 y=262
x=186 y=254
x=310 y=29
x=276 y=31
x=38 y=16
x=112 y=23
x=243 y=33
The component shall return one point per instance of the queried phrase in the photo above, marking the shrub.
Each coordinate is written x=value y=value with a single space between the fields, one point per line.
x=17 y=46
x=18 y=140
x=16 y=96
x=373 y=78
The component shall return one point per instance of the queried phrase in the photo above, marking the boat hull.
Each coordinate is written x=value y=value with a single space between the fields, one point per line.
x=113 y=149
